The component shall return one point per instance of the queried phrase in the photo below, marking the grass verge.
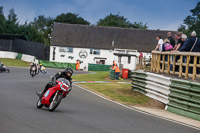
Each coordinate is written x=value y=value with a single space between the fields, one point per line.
x=122 y=93
x=98 y=76
x=14 y=62
x=117 y=92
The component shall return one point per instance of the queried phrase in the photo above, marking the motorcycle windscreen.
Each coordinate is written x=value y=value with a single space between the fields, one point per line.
x=64 y=81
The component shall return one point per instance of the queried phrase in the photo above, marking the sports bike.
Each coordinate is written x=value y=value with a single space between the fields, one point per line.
x=53 y=96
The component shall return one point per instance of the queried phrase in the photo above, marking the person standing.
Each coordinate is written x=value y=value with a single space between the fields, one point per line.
x=171 y=39
x=179 y=43
x=160 y=43
x=140 y=58
x=76 y=64
x=117 y=72
x=114 y=65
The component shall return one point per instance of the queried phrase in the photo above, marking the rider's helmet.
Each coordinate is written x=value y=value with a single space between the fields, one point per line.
x=40 y=64
x=68 y=71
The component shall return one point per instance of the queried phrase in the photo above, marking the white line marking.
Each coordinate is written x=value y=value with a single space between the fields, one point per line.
x=140 y=111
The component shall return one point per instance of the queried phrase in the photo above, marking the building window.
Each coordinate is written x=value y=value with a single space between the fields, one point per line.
x=66 y=50
x=129 y=59
x=95 y=51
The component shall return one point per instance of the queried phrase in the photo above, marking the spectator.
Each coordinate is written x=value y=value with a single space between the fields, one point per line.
x=179 y=43
x=184 y=48
x=185 y=41
x=140 y=58
x=160 y=43
x=194 y=46
x=114 y=65
x=194 y=43
x=171 y=39
x=117 y=72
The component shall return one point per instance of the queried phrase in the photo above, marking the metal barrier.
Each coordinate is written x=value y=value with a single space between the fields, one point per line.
x=179 y=96
x=152 y=85
x=112 y=74
x=185 y=98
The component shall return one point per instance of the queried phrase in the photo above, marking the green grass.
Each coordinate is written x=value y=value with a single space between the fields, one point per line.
x=119 y=92
x=14 y=62
x=99 y=76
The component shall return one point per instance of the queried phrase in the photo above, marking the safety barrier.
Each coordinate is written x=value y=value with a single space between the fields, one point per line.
x=57 y=64
x=179 y=96
x=98 y=67
x=184 y=98
x=151 y=85
x=112 y=74
x=10 y=55
x=13 y=55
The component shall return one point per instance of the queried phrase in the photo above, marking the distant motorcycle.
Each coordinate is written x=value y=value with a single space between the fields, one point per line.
x=53 y=96
x=42 y=70
x=4 y=68
x=33 y=70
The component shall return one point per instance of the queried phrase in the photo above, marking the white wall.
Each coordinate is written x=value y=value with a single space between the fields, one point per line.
x=13 y=55
x=5 y=54
x=108 y=54
x=27 y=58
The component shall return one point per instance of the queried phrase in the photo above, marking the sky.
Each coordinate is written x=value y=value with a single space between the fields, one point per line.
x=158 y=14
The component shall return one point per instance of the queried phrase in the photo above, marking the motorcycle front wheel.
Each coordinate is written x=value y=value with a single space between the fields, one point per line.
x=55 y=102
x=39 y=104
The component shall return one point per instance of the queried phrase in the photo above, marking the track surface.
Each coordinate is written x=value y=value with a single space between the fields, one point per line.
x=80 y=112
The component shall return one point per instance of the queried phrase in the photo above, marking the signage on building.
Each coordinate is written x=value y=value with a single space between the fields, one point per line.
x=83 y=54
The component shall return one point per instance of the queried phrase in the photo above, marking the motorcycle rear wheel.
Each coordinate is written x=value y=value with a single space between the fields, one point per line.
x=39 y=104
x=55 y=102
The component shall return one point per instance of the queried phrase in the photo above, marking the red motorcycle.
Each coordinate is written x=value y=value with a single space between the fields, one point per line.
x=53 y=96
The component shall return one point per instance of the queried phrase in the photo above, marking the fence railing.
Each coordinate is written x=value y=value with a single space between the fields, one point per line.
x=183 y=64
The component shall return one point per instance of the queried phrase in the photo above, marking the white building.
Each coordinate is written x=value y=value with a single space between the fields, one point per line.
x=93 y=56
x=100 y=45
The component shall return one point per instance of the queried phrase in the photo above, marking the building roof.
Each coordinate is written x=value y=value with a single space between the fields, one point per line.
x=99 y=37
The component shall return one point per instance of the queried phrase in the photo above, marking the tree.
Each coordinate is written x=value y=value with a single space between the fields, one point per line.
x=193 y=21
x=71 y=18
x=139 y=25
x=120 y=21
x=32 y=33
x=12 y=26
x=115 y=21
x=2 y=20
x=43 y=24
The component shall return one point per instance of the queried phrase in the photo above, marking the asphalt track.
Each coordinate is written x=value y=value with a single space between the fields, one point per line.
x=80 y=112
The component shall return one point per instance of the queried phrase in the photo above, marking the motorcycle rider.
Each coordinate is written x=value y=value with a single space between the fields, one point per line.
x=33 y=64
x=67 y=73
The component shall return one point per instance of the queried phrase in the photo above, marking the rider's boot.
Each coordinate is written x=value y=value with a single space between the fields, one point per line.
x=40 y=94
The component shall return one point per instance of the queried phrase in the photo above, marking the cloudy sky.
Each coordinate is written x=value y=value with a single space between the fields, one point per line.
x=158 y=14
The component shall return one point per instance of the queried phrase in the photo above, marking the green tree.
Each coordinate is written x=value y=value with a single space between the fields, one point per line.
x=2 y=20
x=114 y=21
x=12 y=26
x=139 y=25
x=120 y=21
x=71 y=18
x=43 y=24
x=192 y=21
x=31 y=33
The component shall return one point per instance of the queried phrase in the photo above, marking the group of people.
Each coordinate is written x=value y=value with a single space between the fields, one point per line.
x=184 y=44
x=38 y=67
x=117 y=70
